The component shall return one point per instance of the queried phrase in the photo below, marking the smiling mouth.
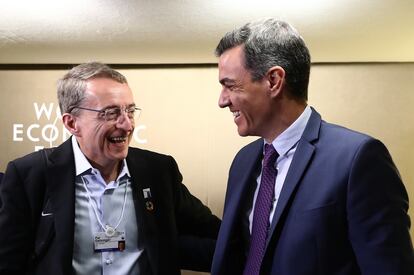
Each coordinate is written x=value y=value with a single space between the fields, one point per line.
x=118 y=139
x=236 y=114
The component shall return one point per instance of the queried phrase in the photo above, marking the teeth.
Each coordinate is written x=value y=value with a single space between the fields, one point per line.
x=118 y=139
x=236 y=114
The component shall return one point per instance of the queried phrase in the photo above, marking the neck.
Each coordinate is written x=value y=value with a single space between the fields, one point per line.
x=109 y=172
x=286 y=114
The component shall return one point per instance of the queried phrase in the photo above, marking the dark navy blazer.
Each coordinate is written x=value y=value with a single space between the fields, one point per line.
x=342 y=209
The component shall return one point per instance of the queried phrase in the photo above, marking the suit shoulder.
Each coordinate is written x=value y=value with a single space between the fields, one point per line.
x=33 y=158
x=337 y=139
x=341 y=133
x=29 y=167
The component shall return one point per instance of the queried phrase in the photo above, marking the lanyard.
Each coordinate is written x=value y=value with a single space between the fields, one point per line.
x=109 y=230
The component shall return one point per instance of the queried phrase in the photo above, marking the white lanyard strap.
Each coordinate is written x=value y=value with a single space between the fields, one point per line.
x=109 y=230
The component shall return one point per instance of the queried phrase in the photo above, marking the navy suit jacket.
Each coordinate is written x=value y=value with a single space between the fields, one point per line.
x=31 y=243
x=342 y=209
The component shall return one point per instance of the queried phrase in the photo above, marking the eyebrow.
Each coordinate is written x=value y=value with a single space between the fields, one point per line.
x=226 y=81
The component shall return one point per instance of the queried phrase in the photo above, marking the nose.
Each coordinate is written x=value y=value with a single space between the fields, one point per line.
x=124 y=122
x=224 y=98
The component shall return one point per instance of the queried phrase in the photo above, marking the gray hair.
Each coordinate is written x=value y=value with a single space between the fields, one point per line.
x=71 y=87
x=269 y=43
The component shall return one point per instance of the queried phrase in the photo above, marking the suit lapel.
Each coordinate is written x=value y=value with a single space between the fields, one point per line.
x=60 y=177
x=145 y=216
x=300 y=162
x=240 y=178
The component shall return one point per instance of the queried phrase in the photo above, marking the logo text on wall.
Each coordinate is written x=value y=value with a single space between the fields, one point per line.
x=52 y=132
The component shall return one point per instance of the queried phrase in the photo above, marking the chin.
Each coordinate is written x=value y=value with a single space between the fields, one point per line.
x=243 y=133
x=124 y=154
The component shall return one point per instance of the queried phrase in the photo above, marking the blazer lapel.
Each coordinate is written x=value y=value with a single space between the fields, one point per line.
x=144 y=208
x=301 y=159
x=60 y=177
x=241 y=176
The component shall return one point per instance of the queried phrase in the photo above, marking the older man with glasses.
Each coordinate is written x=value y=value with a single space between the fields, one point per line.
x=94 y=205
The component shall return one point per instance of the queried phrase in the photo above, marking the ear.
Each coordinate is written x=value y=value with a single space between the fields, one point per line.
x=70 y=122
x=276 y=79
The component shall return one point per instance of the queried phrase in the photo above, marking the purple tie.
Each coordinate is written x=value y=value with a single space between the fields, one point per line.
x=261 y=213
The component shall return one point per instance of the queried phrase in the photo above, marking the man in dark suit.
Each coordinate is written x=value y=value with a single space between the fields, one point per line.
x=94 y=205
x=308 y=197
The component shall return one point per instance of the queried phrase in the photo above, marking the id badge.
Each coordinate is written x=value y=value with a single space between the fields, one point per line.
x=103 y=243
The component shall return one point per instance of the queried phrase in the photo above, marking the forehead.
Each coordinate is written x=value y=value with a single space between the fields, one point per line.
x=231 y=63
x=106 y=91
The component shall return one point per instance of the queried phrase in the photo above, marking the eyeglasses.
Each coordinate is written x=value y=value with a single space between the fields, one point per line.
x=113 y=113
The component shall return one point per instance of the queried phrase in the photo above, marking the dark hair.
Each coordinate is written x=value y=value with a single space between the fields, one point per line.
x=71 y=88
x=269 y=43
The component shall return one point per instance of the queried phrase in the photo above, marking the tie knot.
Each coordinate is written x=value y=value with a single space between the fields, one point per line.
x=270 y=155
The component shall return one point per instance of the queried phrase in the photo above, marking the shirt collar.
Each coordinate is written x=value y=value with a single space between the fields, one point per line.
x=291 y=136
x=82 y=164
